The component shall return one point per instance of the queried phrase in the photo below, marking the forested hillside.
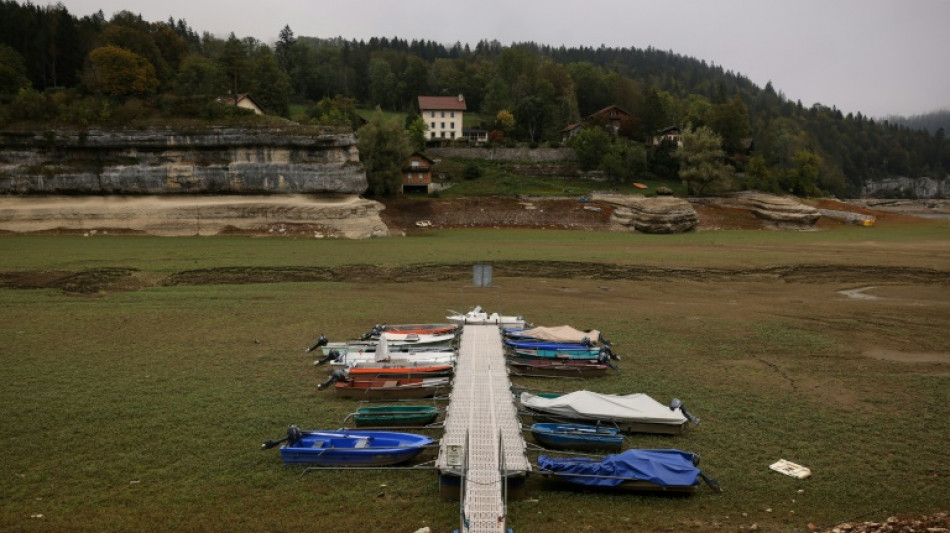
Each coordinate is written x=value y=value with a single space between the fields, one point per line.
x=57 y=68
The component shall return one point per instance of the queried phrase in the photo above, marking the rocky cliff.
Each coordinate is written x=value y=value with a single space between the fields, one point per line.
x=221 y=161
x=198 y=183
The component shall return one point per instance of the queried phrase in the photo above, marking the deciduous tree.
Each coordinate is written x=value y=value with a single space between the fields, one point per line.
x=118 y=72
x=384 y=147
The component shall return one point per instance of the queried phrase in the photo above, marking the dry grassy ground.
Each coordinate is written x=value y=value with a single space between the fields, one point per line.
x=141 y=374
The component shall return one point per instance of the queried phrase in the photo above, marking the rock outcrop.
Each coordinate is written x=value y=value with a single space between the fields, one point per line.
x=161 y=182
x=778 y=212
x=225 y=161
x=346 y=216
x=664 y=214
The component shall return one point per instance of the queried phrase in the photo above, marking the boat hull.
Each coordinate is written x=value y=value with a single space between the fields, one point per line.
x=395 y=389
x=397 y=415
x=354 y=448
x=569 y=368
x=546 y=353
x=401 y=372
x=577 y=437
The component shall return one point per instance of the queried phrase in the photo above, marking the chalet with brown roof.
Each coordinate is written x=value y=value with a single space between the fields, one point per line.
x=672 y=134
x=443 y=117
x=612 y=118
x=417 y=173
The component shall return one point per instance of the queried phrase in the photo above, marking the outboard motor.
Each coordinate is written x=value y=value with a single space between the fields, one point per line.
x=377 y=329
x=334 y=355
x=337 y=375
x=322 y=341
x=678 y=404
x=610 y=353
x=604 y=359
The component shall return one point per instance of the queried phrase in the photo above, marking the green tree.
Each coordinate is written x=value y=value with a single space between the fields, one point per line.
x=12 y=71
x=701 y=157
x=759 y=176
x=199 y=76
x=590 y=146
x=384 y=147
x=417 y=133
x=118 y=72
x=339 y=111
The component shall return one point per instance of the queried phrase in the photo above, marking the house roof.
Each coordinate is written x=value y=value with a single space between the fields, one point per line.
x=608 y=109
x=241 y=98
x=423 y=156
x=442 y=103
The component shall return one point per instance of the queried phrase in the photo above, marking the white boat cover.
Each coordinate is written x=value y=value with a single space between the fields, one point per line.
x=562 y=334
x=382 y=349
x=595 y=406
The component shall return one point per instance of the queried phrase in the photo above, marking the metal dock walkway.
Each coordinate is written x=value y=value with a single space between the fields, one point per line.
x=483 y=450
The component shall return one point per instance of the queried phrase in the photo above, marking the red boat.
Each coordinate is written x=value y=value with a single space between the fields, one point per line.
x=386 y=388
x=402 y=371
x=410 y=329
x=566 y=368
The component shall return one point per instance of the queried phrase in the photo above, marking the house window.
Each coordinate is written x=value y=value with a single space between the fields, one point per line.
x=452 y=126
x=433 y=124
x=443 y=134
x=432 y=114
x=443 y=125
x=453 y=114
x=443 y=114
x=453 y=134
x=415 y=164
x=432 y=134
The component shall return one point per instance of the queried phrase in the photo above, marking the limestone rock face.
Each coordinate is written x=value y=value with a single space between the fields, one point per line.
x=157 y=162
x=664 y=214
x=344 y=216
x=778 y=211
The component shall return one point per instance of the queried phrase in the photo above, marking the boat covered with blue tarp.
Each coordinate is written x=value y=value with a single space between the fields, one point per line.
x=658 y=470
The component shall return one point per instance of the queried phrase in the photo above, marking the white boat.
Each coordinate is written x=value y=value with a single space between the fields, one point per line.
x=365 y=354
x=631 y=413
x=396 y=342
x=479 y=317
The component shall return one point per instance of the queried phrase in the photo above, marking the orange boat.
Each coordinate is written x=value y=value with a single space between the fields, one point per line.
x=640 y=185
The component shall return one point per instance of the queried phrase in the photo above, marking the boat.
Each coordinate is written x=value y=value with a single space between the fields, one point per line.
x=640 y=185
x=395 y=415
x=565 y=334
x=566 y=368
x=631 y=470
x=386 y=388
x=400 y=371
x=577 y=437
x=395 y=343
x=592 y=353
x=631 y=413
x=548 y=345
x=418 y=329
x=479 y=317
x=349 y=448
x=383 y=355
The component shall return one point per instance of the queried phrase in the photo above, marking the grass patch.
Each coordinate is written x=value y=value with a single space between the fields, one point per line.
x=149 y=406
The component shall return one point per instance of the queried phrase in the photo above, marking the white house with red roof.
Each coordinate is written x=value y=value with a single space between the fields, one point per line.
x=443 y=116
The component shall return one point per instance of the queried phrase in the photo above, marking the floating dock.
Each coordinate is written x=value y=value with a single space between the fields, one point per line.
x=482 y=454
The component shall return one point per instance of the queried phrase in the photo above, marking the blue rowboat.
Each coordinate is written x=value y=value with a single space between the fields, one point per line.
x=545 y=353
x=638 y=470
x=577 y=437
x=546 y=345
x=349 y=448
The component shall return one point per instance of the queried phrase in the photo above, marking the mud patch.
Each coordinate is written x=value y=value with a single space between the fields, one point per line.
x=859 y=293
x=907 y=357
x=124 y=279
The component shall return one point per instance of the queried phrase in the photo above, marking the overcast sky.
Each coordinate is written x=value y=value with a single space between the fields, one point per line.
x=879 y=57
